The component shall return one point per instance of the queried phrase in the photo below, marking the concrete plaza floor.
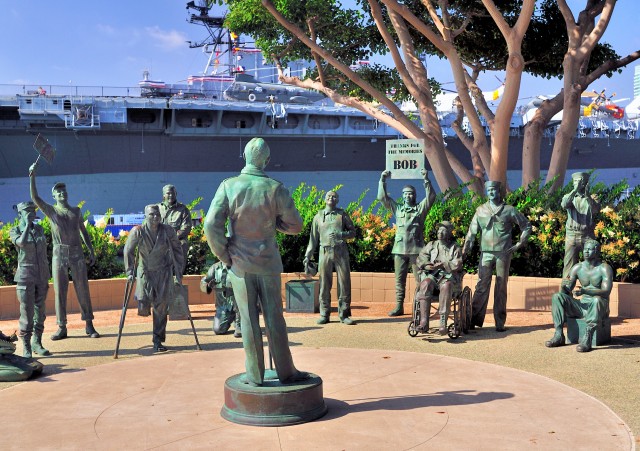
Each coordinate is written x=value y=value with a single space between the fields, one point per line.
x=384 y=389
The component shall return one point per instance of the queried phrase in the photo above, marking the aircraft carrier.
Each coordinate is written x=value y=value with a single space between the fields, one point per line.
x=117 y=147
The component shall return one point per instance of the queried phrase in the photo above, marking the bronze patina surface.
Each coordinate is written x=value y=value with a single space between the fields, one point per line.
x=273 y=403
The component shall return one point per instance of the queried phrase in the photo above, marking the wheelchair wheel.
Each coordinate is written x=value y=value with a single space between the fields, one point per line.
x=465 y=310
x=412 y=330
x=453 y=331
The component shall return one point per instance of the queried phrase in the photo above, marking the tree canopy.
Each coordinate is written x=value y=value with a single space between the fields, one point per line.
x=473 y=35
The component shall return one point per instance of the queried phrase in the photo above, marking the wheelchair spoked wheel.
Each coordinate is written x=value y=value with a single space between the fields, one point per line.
x=465 y=310
x=412 y=330
x=453 y=331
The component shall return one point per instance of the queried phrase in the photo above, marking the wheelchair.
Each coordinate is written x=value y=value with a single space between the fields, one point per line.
x=460 y=311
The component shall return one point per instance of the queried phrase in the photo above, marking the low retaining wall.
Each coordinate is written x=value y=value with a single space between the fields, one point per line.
x=525 y=293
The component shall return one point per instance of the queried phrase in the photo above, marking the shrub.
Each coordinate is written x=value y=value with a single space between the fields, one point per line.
x=617 y=229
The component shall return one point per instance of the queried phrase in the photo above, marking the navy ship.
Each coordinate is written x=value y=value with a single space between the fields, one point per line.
x=117 y=147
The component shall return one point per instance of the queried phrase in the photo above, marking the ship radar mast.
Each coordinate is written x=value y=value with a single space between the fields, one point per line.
x=220 y=42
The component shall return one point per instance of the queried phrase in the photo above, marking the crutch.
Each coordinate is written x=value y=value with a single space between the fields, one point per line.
x=125 y=303
x=194 y=330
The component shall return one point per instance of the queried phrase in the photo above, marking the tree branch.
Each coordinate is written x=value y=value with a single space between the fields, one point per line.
x=611 y=65
x=376 y=13
x=594 y=37
x=316 y=57
x=416 y=23
x=407 y=125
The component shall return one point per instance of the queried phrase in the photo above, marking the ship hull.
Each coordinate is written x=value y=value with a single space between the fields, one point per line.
x=125 y=171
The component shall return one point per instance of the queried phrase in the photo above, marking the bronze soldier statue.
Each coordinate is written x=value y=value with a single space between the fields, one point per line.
x=494 y=220
x=330 y=229
x=14 y=368
x=31 y=278
x=178 y=216
x=581 y=211
x=216 y=280
x=441 y=263
x=596 y=282
x=68 y=233
x=409 y=231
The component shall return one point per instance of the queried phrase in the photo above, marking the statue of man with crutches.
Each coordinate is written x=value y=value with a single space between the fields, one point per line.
x=159 y=266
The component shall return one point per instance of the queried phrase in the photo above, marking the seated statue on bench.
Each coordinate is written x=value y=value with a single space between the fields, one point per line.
x=440 y=264
x=596 y=282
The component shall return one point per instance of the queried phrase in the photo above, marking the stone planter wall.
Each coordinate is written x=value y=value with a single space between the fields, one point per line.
x=525 y=293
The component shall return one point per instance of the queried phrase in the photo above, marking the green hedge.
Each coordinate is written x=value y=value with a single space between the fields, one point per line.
x=618 y=229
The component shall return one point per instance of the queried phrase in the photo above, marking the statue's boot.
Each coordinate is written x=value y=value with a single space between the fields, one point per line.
x=36 y=344
x=90 y=330
x=26 y=346
x=557 y=339
x=398 y=311
x=443 y=325
x=585 y=341
x=424 y=315
x=348 y=321
x=60 y=334
x=159 y=347
x=237 y=333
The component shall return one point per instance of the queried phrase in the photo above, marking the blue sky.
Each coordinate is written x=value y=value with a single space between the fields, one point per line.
x=111 y=43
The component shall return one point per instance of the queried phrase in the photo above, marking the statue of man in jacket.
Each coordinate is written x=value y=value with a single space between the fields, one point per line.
x=255 y=206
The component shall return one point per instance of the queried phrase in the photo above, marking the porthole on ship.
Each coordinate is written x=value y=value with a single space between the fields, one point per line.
x=194 y=118
x=140 y=116
x=234 y=119
x=319 y=122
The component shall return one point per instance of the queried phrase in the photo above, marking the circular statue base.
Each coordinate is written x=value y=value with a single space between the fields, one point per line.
x=273 y=404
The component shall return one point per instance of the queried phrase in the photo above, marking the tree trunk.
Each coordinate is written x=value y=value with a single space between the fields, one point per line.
x=533 y=133
x=564 y=138
x=502 y=121
x=570 y=116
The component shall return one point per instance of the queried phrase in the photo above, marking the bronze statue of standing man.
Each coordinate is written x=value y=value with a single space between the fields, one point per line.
x=330 y=229
x=31 y=278
x=178 y=216
x=255 y=206
x=160 y=263
x=581 y=211
x=409 y=231
x=68 y=233
x=494 y=220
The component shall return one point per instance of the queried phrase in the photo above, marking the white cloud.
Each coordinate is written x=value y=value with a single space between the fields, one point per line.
x=106 y=29
x=167 y=40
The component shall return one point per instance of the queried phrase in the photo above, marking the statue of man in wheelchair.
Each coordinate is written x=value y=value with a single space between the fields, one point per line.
x=440 y=265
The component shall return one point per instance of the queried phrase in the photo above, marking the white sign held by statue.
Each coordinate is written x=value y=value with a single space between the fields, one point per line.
x=405 y=158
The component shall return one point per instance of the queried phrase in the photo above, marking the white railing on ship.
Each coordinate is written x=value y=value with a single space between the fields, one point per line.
x=70 y=90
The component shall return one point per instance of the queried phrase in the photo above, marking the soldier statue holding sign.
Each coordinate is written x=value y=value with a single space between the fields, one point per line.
x=409 y=231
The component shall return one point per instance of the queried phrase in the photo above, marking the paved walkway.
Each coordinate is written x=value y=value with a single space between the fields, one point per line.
x=377 y=398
